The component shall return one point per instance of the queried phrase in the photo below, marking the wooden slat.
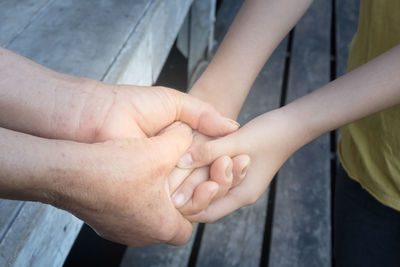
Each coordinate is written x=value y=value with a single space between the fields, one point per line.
x=301 y=230
x=165 y=27
x=143 y=55
x=39 y=236
x=105 y=39
x=201 y=26
x=80 y=37
x=237 y=239
x=8 y=211
x=346 y=27
x=15 y=16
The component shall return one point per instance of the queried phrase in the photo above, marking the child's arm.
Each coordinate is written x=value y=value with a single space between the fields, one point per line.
x=256 y=31
x=272 y=137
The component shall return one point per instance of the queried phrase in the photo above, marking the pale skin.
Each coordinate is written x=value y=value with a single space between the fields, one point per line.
x=256 y=31
x=272 y=137
x=113 y=173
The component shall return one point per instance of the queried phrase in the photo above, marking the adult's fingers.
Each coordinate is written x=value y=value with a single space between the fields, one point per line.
x=201 y=116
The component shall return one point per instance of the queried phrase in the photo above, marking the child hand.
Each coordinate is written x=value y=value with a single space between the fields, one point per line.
x=194 y=189
x=268 y=139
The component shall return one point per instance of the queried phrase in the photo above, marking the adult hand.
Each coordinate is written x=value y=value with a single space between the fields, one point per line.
x=119 y=187
x=125 y=111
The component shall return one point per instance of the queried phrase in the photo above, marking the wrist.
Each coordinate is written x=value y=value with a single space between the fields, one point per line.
x=66 y=180
x=31 y=168
x=299 y=124
x=83 y=105
x=215 y=95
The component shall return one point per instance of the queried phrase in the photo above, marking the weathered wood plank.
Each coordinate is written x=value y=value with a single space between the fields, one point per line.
x=201 y=28
x=346 y=27
x=8 y=211
x=236 y=240
x=35 y=239
x=16 y=15
x=165 y=27
x=301 y=231
x=182 y=41
x=143 y=55
x=80 y=38
x=93 y=39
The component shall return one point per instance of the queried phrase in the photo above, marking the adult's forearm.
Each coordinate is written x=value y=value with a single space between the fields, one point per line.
x=25 y=164
x=370 y=88
x=255 y=33
x=42 y=102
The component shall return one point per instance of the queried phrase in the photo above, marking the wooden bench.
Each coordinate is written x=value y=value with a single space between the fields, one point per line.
x=127 y=42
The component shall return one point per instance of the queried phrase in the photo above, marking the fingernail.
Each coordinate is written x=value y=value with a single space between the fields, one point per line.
x=215 y=192
x=178 y=199
x=244 y=172
x=186 y=161
x=235 y=123
x=228 y=171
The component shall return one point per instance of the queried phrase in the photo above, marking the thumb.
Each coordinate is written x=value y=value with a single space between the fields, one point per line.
x=170 y=144
x=201 y=116
x=205 y=153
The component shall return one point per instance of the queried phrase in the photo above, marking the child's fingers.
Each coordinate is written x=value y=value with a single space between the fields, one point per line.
x=205 y=153
x=241 y=164
x=202 y=197
x=186 y=189
x=221 y=173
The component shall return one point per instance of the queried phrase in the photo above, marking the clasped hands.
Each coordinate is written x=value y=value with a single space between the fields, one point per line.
x=121 y=176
